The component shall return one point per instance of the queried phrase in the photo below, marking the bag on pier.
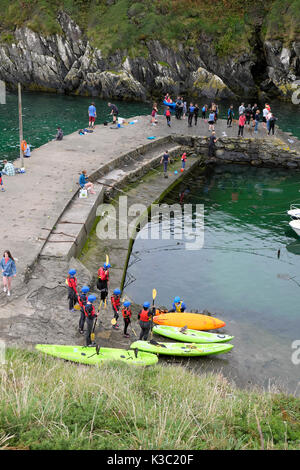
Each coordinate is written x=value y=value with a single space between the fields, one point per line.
x=83 y=193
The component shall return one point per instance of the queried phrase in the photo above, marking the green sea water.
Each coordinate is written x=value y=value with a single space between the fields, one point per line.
x=247 y=272
x=43 y=112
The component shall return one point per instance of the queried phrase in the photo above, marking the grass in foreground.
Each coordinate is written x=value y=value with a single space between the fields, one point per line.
x=46 y=403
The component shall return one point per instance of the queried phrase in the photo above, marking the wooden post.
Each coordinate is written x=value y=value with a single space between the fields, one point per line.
x=20 y=124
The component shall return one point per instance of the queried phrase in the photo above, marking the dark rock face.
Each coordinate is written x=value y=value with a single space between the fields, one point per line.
x=69 y=64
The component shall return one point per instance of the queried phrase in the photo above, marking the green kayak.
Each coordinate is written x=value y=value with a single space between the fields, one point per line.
x=86 y=355
x=190 y=336
x=181 y=349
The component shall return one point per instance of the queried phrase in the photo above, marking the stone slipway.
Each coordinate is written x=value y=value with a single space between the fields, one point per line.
x=37 y=203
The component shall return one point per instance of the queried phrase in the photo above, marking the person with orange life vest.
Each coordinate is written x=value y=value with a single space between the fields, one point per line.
x=82 y=300
x=126 y=312
x=103 y=278
x=71 y=282
x=145 y=321
x=90 y=316
x=115 y=303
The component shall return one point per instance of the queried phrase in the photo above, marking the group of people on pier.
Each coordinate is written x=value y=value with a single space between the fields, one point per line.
x=89 y=316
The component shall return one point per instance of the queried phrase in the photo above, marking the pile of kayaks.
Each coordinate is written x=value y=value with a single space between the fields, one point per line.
x=189 y=330
x=185 y=327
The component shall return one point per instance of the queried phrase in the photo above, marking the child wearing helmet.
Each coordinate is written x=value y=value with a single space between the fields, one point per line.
x=71 y=282
x=82 y=300
x=102 y=283
x=126 y=312
x=115 y=303
x=145 y=321
x=90 y=316
x=178 y=305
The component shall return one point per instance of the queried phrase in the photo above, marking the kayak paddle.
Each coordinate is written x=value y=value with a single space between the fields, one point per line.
x=153 y=298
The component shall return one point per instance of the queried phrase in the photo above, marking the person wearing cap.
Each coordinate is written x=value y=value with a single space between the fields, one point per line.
x=71 y=282
x=90 y=316
x=103 y=279
x=115 y=303
x=178 y=305
x=126 y=312
x=82 y=300
x=145 y=321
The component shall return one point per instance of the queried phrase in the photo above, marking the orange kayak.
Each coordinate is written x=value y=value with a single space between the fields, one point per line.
x=194 y=321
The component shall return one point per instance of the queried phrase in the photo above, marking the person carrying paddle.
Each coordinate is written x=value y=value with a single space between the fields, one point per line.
x=102 y=283
x=71 y=282
x=90 y=317
x=126 y=312
x=82 y=300
x=145 y=317
x=178 y=305
x=115 y=303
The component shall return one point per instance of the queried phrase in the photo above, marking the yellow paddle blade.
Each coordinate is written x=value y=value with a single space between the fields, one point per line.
x=107 y=259
x=93 y=337
x=77 y=307
x=154 y=294
x=100 y=305
x=113 y=321
x=105 y=303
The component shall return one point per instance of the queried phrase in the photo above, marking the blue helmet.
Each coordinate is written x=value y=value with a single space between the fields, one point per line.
x=127 y=303
x=85 y=289
x=106 y=266
x=117 y=292
x=176 y=300
x=72 y=272
x=92 y=298
x=146 y=304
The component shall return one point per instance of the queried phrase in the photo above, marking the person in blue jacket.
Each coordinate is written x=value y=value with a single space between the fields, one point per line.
x=8 y=267
x=85 y=183
x=178 y=305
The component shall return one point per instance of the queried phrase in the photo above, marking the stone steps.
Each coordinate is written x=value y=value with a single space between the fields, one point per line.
x=67 y=237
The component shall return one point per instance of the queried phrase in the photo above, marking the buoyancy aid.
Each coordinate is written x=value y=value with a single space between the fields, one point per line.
x=72 y=282
x=144 y=315
x=82 y=300
x=103 y=274
x=23 y=145
x=89 y=310
x=126 y=312
x=178 y=306
x=115 y=302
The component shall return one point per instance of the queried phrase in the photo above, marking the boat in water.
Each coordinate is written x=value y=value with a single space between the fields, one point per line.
x=294 y=213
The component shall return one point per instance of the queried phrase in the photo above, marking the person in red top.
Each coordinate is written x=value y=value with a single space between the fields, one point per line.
x=102 y=283
x=183 y=160
x=126 y=312
x=71 y=281
x=168 y=116
x=242 y=121
x=115 y=303
x=145 y=321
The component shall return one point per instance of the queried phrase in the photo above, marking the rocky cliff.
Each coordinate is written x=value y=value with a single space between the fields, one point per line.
x=69 y=62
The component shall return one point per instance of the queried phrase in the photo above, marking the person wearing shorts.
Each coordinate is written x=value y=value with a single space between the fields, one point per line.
x=8 y=267
x=211 y=121
x=92 y=115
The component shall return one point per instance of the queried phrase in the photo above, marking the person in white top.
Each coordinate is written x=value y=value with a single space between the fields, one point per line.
x=265 y=114
x=241 y=109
